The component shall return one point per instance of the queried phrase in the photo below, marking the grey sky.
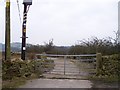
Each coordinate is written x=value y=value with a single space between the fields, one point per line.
x=66 y=21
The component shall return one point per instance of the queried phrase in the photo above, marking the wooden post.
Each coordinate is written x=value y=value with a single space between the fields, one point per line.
x=65 y=57
x=7 y=32
x=99 y=62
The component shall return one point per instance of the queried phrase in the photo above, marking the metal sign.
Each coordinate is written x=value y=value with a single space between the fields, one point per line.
x=28 y=2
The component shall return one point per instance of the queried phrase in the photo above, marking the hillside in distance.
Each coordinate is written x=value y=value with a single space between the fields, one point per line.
x=15 y=47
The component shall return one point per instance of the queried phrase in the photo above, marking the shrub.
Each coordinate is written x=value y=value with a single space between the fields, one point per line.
x=26 y=68
x=110 y=66
x=17 y=69
x=31 y=56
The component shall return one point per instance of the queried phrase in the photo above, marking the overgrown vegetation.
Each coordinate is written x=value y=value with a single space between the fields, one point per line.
x=110 y=70
x=94 y=45
x=111 y=65
x=19 y=69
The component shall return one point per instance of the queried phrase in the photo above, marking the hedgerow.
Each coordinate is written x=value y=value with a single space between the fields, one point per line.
x=110 y=66
x=18 y=68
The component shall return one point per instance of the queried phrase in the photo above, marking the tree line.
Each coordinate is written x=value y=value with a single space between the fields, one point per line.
x=106 y=46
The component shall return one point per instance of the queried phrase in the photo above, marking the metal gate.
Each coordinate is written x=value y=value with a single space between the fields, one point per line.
x=67 y=65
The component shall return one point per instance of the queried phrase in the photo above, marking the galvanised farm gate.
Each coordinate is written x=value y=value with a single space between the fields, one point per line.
x=68 y=65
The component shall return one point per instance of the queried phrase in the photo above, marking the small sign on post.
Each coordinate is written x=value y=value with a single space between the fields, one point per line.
x=28 y=2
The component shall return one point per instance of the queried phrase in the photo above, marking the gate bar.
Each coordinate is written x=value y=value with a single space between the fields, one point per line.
x=82 y=55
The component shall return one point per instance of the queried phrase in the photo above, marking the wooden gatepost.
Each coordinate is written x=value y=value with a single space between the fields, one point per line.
x=98 y=63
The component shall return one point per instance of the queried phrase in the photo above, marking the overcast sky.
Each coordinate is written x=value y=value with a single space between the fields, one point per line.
x=66 y=21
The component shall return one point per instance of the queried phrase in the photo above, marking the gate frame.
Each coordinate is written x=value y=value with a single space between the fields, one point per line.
x=65 y=56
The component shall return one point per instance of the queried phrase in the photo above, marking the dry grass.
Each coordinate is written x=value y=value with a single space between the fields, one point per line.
x=15 y=56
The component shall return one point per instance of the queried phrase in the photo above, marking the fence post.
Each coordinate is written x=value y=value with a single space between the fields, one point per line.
x=64 y=63
x=98 y=62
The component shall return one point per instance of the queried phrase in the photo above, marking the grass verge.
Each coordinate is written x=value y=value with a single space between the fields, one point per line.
x=17 y=81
